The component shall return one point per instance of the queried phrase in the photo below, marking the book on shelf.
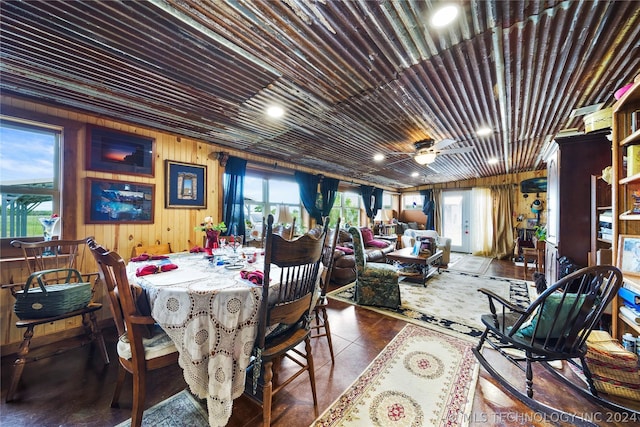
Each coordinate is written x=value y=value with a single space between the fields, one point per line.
x=630 y=313
x=630 y=298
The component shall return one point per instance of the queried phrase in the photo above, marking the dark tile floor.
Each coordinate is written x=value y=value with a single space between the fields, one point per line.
x=74 y=389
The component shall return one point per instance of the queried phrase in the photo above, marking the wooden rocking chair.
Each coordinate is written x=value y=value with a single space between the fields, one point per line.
x=554 y=327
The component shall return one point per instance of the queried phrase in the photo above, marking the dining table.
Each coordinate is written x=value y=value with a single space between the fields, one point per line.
x=211 y=314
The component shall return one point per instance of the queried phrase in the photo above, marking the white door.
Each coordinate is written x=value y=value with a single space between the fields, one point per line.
x=455 y=219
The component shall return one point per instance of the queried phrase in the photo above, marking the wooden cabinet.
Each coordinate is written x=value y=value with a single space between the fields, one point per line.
x=626 y=179
x=601 y=220
x=570 y=164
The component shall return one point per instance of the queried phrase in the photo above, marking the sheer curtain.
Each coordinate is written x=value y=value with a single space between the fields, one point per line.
x=437 y=211
x=481 y=222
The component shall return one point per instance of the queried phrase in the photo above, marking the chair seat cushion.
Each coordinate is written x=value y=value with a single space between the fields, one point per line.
x=158 y=345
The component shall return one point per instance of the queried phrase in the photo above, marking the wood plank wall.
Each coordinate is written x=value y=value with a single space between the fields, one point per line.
x=174 y=226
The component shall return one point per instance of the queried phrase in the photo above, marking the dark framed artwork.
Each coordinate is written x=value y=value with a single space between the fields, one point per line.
x=119 y=202
x=110 y=150
x=185 y=185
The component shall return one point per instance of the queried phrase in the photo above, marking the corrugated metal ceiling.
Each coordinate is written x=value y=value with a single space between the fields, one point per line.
x=355 y=77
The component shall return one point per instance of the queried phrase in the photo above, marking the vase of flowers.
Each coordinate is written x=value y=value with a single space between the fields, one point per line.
x=212 y=233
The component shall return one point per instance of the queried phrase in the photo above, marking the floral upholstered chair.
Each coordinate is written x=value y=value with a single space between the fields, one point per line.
x=376 y=282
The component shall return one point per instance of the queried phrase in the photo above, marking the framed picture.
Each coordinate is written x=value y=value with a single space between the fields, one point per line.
x=185 y=185
x=532 y=222
x=118 y=202
x=110 y=150
x=629 y=254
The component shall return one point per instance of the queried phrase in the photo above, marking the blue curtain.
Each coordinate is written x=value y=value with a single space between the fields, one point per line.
x=233 y=205
x=366 y=191
x=428 y=207
x=308 y=184
x=372 y=199
x=328 y=190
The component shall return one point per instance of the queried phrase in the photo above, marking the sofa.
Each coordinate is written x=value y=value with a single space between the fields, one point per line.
x=443 y=243
x=344 y=264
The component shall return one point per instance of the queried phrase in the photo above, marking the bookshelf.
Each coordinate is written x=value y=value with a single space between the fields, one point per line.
x=626 y=193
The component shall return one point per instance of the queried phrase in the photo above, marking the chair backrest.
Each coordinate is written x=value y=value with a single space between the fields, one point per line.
x=157 y=249
x=328 y=249
x=52 y=254
x=358 y=248
x=562 y=317
x=113 y=273
x=287 y=296
x=284 y=231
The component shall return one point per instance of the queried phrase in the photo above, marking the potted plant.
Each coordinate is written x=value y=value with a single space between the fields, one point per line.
x=539 y=236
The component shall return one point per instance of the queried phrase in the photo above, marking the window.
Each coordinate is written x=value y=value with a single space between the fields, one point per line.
x=347 y=206
x=264 y=196
x=29 y=177
x=412 y=201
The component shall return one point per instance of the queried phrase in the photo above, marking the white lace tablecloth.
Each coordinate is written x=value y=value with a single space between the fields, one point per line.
x=211 y=314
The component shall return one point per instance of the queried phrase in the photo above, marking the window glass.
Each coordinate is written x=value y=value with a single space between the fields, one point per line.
x=28 y=178
x=347 y=206
x=386 y=201
x=264 y=196
x=412 y=201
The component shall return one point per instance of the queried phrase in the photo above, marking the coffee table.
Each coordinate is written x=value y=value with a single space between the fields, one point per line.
x=428 y=264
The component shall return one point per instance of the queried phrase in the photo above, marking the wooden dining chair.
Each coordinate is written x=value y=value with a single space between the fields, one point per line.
x=51 y=255
x=156 y=249
x=285 y=314
x=137 y=354
x=321 y=320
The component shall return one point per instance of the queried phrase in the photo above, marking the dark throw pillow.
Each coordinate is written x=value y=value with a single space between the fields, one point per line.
x=546 y=319
x=377 y=243
x=367 y=235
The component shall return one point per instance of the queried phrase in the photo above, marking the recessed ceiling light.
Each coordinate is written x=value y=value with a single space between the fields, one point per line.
x=444 y=16
x=493 y=161
x=275 y=111
x=415 y=174
x=378 y=157
x=484 y=131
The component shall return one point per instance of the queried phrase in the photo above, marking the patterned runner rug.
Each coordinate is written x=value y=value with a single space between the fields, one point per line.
x=450 y=303
x=421 y=378
x=180 y=410
x=471 y=264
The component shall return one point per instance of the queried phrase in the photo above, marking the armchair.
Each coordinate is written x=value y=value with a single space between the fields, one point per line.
x=376 y=283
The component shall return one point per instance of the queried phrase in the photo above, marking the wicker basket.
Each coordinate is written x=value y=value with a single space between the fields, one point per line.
x=614 y=369
x=54 y=299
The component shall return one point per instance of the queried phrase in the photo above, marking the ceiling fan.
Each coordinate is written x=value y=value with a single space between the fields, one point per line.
x=427 y=150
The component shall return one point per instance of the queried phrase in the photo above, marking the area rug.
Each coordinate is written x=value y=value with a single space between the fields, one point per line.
x=421 y=378
x=471 y=264
x=180 y=410
x=450 y=303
